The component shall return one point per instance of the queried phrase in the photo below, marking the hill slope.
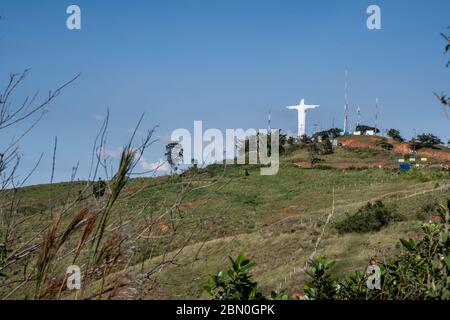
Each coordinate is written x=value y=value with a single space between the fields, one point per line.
x=174 y=232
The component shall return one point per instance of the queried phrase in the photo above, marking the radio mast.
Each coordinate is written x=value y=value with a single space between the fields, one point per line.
x=359 y=116
x=376 y=114
x=346 y=104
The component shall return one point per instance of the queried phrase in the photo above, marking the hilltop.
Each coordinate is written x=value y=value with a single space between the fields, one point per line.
x=168 y=234
x=437 y=155
x=370 y=154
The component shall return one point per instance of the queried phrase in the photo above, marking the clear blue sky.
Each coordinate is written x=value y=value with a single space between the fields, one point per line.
x=223 y=62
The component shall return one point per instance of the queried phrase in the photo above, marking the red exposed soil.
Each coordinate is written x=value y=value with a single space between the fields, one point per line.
x=369 y=142
x=402 y=148
x=303 y=164
x=432 y=153
x=436 y=218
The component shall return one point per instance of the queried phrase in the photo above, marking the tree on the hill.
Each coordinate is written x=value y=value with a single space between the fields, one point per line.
x=328 y=134
x=426 y=140
x=174 y=155
x=395 y=134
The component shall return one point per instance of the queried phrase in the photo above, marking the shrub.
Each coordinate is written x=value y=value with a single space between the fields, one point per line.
x=326 y=147
x=395 y=134
x=99 y=188
x=322 y=285
x=313 y=153
x=428 y=208
x=235 y=283
x=371 y=217
x=275 y=295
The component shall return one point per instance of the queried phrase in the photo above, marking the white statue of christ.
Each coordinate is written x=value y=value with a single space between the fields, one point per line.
x=301 y=108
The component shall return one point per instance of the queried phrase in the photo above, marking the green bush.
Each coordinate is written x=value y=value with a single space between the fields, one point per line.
x=326 y=147
x=395 y=134
x=322 y=285
x=235 y=283
x=99 y=188
x=371 y=217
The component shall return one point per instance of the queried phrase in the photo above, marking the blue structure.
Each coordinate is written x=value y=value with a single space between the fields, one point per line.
x=405 y=166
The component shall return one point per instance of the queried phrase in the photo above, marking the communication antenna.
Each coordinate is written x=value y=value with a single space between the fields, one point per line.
x=359 y=116
x=268 y=121
x=346 y=103
x=376 y=114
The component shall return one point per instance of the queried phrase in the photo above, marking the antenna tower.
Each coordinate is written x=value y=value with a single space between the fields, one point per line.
x=376 y=114
x=359 y=116
x=346 y=104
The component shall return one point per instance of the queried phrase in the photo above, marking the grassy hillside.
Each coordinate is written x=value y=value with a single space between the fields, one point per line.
x=169 y=234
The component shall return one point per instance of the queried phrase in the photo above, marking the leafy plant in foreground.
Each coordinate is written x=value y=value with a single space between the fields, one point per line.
x=235 y=283
x=322 y=285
